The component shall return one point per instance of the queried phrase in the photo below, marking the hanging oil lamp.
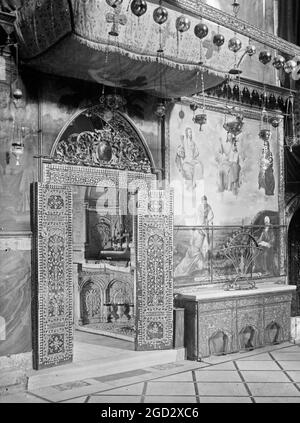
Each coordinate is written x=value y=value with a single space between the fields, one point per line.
x=201 y=118
x=160 y=16
x=291 y=138
x=183 y=24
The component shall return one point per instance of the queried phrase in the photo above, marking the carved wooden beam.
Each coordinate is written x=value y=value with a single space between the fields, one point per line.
x=224 y=19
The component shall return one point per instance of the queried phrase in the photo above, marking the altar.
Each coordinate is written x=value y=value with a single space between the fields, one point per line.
x=219 y=323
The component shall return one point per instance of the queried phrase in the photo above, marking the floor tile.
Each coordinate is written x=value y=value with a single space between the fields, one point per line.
x=290 y=349
x=170 y=388
x=292 y=356
x=259 y=357
x=257 y=365
x=294 y=375
x=123 y=375
x=218 y=376
x=290 y=365
x=79 y=400
x=21 y=398
x=273 y=389
x=222 y=389
x=260 y=376
x=278 y=400
x=136 y=389
x=222 y=366
x=103 y=399
x=52 y=394
x=170 y=399
x=227 y=400
x=180 y=377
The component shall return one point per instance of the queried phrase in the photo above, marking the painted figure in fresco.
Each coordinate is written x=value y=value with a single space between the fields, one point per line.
x=197 y=252
x=266 y=242
x=228 y=160
x=189 y=164
x=266 y=178
x=234 y=169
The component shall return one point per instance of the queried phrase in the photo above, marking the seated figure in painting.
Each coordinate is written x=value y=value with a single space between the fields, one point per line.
x=266 y=260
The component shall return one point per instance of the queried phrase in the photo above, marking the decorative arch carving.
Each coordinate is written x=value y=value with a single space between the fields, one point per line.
x=112 y=144
x=291 y=207
x=91 y=299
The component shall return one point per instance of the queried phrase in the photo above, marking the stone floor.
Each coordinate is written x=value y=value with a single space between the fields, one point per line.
x=268 y=375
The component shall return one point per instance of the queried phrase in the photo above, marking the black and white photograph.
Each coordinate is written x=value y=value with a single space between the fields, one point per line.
x=149 y=205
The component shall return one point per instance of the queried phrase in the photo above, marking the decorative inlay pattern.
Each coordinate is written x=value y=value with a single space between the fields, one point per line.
x=154 y=285
x=53 y=331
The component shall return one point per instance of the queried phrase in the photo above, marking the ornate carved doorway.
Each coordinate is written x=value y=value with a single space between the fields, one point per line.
x=85 y=160
x=294 y=260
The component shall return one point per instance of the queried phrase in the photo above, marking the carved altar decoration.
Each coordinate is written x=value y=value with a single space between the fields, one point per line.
x=242 y=250
x=112 y=144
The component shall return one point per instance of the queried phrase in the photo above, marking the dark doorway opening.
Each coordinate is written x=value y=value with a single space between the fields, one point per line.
x=294 y=260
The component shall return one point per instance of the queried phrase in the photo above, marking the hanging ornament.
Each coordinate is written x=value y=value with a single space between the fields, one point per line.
x=275 y=121
x=183 y=24
x=218 y=40
x=201 y=30
x=278 y=62
x=250 y=50
x=201 y=118
x=290 y=66
x=265 y=57
x=193 y=107
x=160 y=15
x=234 y=44
x=114 y=3
x=160 y=110
x=290 y=129
x=138 y=7
x=17 y=94
x=264 y=130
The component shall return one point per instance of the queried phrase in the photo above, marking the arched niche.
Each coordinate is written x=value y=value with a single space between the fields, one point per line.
x=219 y=343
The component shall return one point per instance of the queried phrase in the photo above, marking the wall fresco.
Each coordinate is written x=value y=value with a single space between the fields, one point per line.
x=223 y=187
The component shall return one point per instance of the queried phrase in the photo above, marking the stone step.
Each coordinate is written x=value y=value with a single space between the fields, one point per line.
x=97 y=368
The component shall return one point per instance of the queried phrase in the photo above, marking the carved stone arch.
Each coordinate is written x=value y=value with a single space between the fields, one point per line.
x=92 y=297
x=219 y=343
x=99 y=142
x=120 y=292
x=292 y=206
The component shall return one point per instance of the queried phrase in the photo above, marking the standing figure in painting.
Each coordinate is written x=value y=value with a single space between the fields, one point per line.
x=197 y=251
x=229 y=168
x=266 y=178
x=266 y=242
x=189 y=165
x=234 y=169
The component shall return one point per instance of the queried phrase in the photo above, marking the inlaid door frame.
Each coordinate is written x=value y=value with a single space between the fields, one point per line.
x=53 y=281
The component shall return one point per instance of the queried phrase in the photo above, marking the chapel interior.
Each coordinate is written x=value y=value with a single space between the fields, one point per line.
x=149 y=178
